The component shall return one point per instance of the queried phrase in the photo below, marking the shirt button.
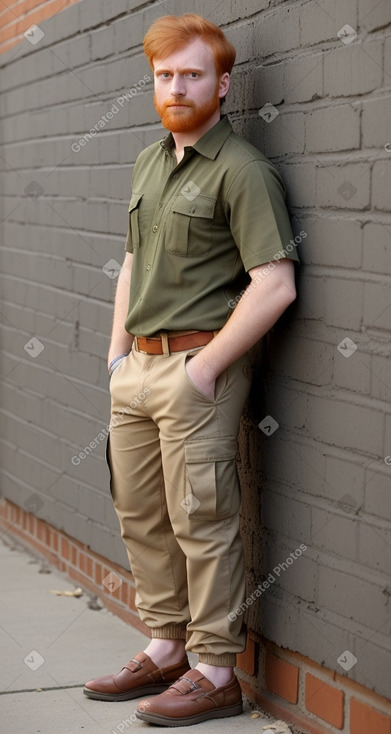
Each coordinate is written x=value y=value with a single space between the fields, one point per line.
x=155 y=228
x=176 y=175
x=192 y=211
x=148 y=267
x=160 y=206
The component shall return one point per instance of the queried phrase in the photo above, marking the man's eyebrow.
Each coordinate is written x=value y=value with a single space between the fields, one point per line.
x=183 y=71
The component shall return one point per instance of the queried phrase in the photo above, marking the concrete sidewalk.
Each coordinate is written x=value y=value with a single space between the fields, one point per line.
x=52 y=644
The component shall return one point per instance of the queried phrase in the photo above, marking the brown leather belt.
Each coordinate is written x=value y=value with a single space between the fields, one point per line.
x=164 y=343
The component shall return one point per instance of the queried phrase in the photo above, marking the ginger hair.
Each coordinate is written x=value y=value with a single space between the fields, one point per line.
x=172 y=32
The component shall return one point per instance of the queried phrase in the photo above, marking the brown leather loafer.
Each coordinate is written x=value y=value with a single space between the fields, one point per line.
x=192 y=699
x=139 y=677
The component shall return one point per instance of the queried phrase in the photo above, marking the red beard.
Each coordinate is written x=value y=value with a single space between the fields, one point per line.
x=188 y=118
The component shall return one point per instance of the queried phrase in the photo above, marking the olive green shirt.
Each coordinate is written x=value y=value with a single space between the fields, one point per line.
x=196 y=228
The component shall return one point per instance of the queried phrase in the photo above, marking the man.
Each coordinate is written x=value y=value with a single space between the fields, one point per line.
x=207 y=220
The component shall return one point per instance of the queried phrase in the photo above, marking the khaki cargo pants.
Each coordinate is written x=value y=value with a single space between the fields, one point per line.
x=171 y=454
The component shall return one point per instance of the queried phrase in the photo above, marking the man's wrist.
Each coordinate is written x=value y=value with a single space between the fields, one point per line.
x=205 y=367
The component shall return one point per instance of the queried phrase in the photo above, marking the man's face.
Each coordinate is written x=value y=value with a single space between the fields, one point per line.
x=187 y=88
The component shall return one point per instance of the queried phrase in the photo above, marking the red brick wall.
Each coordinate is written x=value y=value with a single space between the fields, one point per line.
x=20 y=15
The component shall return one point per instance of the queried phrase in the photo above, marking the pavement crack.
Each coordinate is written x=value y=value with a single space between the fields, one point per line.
x=42 y=690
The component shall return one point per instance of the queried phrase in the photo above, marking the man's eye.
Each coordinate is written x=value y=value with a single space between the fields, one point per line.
x=194 y=74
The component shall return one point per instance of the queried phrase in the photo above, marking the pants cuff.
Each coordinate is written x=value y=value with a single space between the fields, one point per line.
x=169 y=632
x=228 y=660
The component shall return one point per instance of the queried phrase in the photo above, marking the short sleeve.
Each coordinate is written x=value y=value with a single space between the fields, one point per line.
x=133 y=236
x=128 y=242
x=259 y=219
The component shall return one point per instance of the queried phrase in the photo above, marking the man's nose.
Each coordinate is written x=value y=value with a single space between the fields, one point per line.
x=178 y=87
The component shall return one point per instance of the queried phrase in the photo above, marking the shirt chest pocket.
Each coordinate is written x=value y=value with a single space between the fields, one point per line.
x=134 y=224
x=189 y=226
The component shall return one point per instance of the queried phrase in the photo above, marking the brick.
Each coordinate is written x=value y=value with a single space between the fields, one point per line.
x=323 y=243
x=150 y=13
x=108 y=12
x=285 y=134
x=381 y=183
x=372 y=16
x=344 y=484
x=344 y=187
x=324 y=701
x=321 y=22
x=374 y=544
x=295 y=574
x=234 y=10
x=239 y=37
x=353 y=69
x=98 y=573
x=352 y=596
x=295 y=357
x=333 y=128
x=282 y=678
x=364 y=719
x=343 y=303
x=375 y=114
x=353 y=373
x=110 y=517
x=268 y=84
x=277 y=31
x=118 y=217
x=376 y=312
x=345 y=424
x=377 y=492
x=121 y=76
x=387 y=59
x=91 y=503
x=303 y=465
x=380 y=372
x=335 y=534
x=125 y=593
x=124 y=40
x=65 y=550
x=376 y=247
x=294 y=522
x=102 y=41
x=131 y=144
x=303 y=78
x=246 y=660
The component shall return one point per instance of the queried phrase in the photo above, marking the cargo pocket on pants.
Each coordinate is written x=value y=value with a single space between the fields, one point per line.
x=212 y=489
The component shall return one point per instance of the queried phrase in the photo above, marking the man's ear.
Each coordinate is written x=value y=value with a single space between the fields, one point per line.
x=224 y=83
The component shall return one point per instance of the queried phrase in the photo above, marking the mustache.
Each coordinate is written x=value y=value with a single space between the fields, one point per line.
x=174 y=102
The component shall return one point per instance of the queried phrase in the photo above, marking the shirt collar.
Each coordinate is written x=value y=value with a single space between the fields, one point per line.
x=210 y=144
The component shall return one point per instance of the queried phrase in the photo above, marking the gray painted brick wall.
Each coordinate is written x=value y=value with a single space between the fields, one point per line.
x=323 y=477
